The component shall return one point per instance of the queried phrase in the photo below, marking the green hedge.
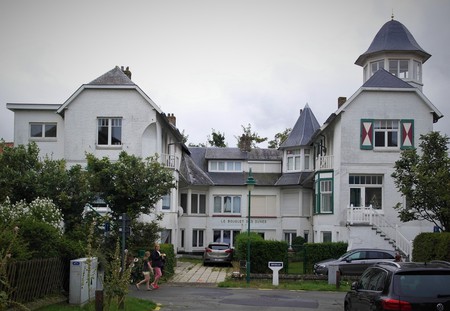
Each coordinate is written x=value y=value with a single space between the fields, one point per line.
x=316 y=252
x=261 y=252
x=431 y=246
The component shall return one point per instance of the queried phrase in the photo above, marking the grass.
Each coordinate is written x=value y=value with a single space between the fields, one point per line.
x=131 y=304
x=317 y=285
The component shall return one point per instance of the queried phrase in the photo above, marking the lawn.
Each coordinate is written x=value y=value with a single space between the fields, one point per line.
x=131 y=304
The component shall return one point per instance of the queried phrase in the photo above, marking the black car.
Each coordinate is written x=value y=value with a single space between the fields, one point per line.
x=354 y=262
x=402 y=286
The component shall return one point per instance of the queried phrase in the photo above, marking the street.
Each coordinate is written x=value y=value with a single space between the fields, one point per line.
x=175 y=297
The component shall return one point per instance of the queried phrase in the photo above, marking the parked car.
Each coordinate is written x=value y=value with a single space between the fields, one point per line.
x=354 y=262
x=401 y=286
x=218 y=252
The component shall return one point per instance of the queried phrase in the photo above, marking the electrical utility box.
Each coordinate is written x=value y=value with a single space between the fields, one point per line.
x=83 y=280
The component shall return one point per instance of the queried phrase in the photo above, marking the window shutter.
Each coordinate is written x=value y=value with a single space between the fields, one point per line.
x=407 y=134
x=366 y=134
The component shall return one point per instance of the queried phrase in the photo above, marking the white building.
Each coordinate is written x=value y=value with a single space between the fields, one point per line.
x=325 y=183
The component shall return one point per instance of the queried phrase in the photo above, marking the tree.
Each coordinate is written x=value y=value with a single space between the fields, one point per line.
x=279 y=139
x=424 y=180
x=129 y=185
x=217 y=139
x=248 y=140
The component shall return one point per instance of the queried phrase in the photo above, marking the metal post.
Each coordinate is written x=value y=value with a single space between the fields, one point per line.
x=248 y=238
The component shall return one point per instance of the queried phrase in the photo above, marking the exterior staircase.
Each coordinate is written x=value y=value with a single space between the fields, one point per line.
x=382 y=227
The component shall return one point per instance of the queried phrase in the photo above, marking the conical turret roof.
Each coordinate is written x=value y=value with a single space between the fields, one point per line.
x=303 y=130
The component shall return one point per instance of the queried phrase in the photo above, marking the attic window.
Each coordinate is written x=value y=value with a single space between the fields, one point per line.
x=225 y=166
x=399 y=68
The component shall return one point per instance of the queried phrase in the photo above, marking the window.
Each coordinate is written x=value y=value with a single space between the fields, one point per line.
x=264 y=205
x=417 y=71
x=294 y=159
x=43 y=130
x=367 y=190
x=225 y=166
x=326 y=236
x=376 y=65
x=198 y=238
x=324 y=193
x=399 y=68
x=166 y=202
x=109 y=131
x=386 y=133
x=166 y=236
x=198 y=203
x=227 y=204
x=183 y=202
x=225 y=236
x=289 y=237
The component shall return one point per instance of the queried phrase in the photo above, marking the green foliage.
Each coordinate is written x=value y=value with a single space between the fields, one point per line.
x=298 y=242
x=279 y=138
x=249 y=139
x=129 y=185
x=316 y=252
x=241 y=244
x=429 y=246
x=424 y=180
x=43 y=240
x=170 y=263
x=217 y=139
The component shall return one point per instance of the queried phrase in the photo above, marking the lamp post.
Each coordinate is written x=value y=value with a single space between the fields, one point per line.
x=250 y=185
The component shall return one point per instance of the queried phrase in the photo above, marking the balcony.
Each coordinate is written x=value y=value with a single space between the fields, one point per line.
x=170 y=161
x=324 y=163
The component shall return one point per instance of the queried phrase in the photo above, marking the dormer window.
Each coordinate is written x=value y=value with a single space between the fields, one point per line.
x=225 y=166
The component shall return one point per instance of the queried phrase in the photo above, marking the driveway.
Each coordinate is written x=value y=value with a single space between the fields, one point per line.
x=190 y=273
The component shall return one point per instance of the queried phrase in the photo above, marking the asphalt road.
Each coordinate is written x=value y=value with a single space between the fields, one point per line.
x=226 y=299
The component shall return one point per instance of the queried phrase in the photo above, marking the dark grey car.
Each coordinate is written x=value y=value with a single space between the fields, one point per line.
x=218 y=253
x=354 y=262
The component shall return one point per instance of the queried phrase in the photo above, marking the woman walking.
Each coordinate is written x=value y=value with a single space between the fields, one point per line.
x=157 y=263
x=146 y=269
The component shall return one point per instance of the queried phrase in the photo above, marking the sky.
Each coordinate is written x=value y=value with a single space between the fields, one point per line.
x=216 y=65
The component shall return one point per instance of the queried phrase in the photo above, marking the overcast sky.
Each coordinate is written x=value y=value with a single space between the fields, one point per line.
x=215 y=64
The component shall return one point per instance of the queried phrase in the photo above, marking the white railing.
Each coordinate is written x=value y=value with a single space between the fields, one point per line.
x=324 y=162
x=372 y=217
x=170 y=160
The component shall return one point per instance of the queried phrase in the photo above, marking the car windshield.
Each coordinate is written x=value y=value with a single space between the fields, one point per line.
x=429 y=284
x=218 y=247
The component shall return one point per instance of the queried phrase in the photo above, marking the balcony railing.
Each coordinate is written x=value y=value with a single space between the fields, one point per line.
x=373 y=217
x=324 y=162
x=170 y=161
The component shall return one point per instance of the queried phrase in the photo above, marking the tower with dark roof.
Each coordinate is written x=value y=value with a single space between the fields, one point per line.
x=395 y=50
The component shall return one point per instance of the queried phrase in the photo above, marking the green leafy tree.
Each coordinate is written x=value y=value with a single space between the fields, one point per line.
x=279 y=139
x=249 y=139
x=217 y=139
x=424 y=180
x=129 y=185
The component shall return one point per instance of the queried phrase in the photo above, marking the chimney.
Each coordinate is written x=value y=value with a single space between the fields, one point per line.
x=172 y=119
x=126 y=71
x=341 y=101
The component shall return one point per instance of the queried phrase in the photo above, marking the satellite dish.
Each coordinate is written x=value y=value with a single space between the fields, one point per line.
x=180 y=211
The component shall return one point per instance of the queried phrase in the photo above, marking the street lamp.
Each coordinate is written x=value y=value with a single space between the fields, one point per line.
x=250 y=185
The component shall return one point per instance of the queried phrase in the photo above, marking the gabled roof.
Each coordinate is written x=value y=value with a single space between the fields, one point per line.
x=303 y=130
x=393 y=37
x=382 y=78
x=113 y=79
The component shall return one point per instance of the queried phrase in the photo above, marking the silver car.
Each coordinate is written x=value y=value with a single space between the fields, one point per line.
x=218 y=252
x=354 y=262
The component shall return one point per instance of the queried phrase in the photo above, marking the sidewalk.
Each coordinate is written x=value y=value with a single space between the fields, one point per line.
x=186 y=272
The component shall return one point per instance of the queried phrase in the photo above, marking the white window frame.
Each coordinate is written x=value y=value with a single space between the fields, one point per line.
x=398 y=69
x=417 y=70
x=367 y=185
x=325 y=235
x=376 y=65
x=326 y=196
x=165 y=202
x=224 y=166
x=198 y=238
x=111 y=124
x=233 y=208
x=289 y=236
x=389 y=130
x=196 y=203
x=46 y=132
x=221 y=236
x=298 y=159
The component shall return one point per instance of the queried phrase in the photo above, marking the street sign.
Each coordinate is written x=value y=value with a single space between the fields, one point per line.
x=275 y=266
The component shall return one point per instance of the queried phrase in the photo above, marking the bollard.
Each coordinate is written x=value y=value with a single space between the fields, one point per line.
x=338 y=279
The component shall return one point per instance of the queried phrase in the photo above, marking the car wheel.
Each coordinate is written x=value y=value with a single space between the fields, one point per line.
x=347 y=306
